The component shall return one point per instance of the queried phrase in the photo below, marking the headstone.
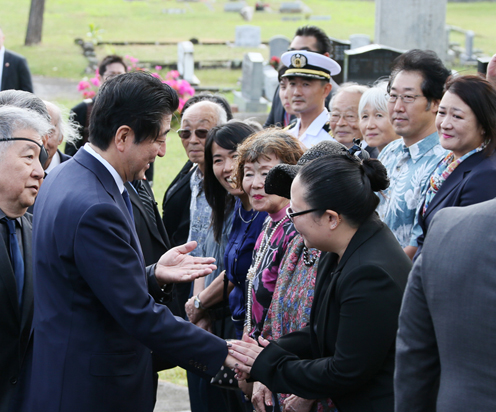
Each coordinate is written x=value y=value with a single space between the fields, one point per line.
x=248 y=36
x=271 y=81
x=482 y=63
x=250 y=99
x=359 y=40
x=407 y=24
x=292 y=7
x=468 y=56
x=337 y=54
x=320 y=18
x=186 y=62
x=367 y=64
x=278 y=45
x=287 y=18
x=234 y=6
x=247 y=13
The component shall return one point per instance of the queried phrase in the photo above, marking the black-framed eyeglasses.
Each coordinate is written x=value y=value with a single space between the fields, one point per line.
x=186 y=134
x=291 y=214
x=43 y=156
x=392 y=98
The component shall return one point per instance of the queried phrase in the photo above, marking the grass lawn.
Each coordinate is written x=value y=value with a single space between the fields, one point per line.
x=147 y=20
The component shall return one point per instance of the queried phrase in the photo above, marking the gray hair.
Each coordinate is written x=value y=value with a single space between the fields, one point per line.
x=349 y=87
x=24 y=100
x=69 y=128
x=14 y=118
x=376 y=97
x=219 y=110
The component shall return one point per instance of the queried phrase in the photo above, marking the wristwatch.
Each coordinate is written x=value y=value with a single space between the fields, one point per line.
x=198 y=304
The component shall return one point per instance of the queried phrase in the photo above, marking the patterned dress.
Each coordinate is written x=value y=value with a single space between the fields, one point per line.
x=264 y=280
x=292 y=301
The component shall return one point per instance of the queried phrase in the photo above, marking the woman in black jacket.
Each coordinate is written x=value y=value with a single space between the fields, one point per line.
x=347 y=351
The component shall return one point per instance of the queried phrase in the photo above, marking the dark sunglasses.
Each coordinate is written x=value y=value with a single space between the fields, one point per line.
x=186 y=134
x=292 y=214
x=43 y=156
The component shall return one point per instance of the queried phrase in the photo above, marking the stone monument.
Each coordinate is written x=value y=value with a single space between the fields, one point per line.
x=248 y=36
x=278 y=45
x=250 y=98
x=186 y=62
x=412 y=24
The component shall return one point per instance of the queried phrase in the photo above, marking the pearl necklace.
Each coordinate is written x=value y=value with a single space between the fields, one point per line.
x=247 y=221
x=309 y=258
x=254 y=267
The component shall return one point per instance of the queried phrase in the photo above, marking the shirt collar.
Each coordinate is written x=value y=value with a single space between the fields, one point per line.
x=3 y=215
x=319 y=122
x=118 y=179
x=419 y=149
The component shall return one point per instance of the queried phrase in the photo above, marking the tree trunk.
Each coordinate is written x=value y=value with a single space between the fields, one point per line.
x=35 y=23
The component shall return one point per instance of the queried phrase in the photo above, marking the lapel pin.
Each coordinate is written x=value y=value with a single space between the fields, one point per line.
x=7 y=64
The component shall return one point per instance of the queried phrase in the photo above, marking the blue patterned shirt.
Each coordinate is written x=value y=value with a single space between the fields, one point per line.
x=409 y=170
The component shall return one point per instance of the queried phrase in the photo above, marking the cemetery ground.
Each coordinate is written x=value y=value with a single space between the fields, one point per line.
x=153 y=21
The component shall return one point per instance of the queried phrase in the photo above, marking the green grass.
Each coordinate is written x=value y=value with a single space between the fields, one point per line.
x=121 y=20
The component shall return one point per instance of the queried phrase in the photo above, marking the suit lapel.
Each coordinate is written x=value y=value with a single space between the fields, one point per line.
x=454 y=180
x=179 y=183
x=28 y=297
x=7 y=277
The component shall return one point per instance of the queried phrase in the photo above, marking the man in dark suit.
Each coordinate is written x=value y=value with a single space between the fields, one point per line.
x=14 y=71
x=447 y=334
x=21 y=174
x=95 y=323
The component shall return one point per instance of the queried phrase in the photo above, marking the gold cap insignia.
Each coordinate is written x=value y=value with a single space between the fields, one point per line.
x=298 y=60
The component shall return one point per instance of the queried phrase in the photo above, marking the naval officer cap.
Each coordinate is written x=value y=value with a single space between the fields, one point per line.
x=303 y=63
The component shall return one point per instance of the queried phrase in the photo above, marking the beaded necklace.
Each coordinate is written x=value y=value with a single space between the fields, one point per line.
x=264 y=246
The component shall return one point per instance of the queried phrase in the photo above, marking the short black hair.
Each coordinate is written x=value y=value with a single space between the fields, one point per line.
x=113 y=58
x=228 y=136
x=215 y=98
x=323 y=42
x=429 y=65
x=137 y=100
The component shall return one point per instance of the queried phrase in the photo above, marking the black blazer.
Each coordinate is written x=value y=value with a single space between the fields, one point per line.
x=16 y=73
x=473 y=181
x=346 y=353
x=15 y=326
x=153 y=237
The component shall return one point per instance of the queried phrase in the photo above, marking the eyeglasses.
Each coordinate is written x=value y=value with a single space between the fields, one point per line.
x=291 y=214
x=347 y=117
x=186 y=134
x=406 y=98
x=43 y=156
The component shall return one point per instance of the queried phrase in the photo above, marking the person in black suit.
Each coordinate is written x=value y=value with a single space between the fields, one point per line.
x=466 y=124
x=21 y=174
x=14 y=70
x=310 y=38
x=346 y=353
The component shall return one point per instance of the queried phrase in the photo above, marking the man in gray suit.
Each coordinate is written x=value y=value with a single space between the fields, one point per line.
x=447 y=330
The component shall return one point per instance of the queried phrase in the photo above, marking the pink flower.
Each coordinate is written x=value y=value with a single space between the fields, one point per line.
x=181 y=104
x=89 y=94
x=174 y=74
x=158 y=68
x=83 y=84
x=95 y=81
x=156 y=75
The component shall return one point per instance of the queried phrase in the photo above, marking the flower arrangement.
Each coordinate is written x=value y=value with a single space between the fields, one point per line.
x=274 y=62
x=89 y=87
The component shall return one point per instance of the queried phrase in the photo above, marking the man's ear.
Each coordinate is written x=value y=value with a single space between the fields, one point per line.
x=327 y=89
x=435 y=105
x=123 y=137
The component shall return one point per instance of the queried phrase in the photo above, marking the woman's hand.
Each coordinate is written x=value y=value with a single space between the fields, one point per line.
x=294 y=403
x=246 y=351
x=261 y=396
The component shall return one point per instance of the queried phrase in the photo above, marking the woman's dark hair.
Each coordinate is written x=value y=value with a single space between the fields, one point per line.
x=480 y=96
x=345 y=185
x=137 y=100
x=227 y=136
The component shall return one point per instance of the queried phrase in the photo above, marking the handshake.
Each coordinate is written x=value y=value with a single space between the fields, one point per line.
x=242 y=355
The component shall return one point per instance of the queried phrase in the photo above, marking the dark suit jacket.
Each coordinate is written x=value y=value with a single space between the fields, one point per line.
x=95 y=323
x=153 y=237
x=473 y=181
x=16 y=73
x=447 y=334
x=15 y=326
x=346 y=353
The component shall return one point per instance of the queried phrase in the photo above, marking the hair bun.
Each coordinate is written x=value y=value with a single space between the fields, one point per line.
x=376 y=173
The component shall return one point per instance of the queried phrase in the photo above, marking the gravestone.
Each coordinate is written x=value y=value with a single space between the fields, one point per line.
x=337 y=54
x=186 y=62
x=247 y=13
x=367 y=64
x=482 y=63
x=407 y=24
x=468 y=56
x=234 y=6
x=359 y=40
x=250 y=98
x=278 y=45
x=248 y=36
x=271 y=81
x=292 y=7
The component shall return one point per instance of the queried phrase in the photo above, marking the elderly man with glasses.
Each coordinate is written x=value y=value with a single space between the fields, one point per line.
x=415 y=90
